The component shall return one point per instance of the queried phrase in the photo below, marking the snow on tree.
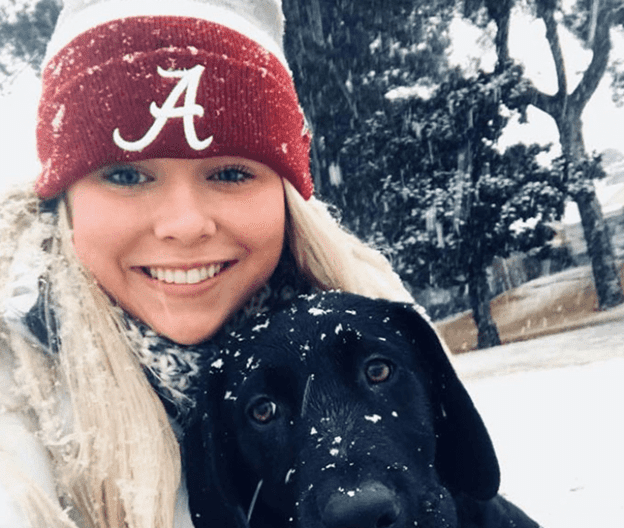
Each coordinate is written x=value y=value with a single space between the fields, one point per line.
x=346 y=55
x=25 y=28
x=593 y=22
x=404 y=174
x=451 y=201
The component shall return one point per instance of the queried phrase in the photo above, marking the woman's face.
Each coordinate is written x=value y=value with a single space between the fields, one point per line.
x=180 y=244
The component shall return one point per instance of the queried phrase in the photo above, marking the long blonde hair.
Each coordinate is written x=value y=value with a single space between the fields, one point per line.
x=333 y=258
x=119 y=463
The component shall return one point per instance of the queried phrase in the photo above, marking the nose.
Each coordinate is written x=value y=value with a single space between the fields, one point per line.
x=183 y=217
x=372 y=505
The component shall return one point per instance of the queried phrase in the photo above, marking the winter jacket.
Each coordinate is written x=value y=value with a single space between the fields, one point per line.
x=19 y=443
x=22 y=452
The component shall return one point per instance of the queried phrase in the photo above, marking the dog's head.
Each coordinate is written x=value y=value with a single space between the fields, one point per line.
x=340 y=412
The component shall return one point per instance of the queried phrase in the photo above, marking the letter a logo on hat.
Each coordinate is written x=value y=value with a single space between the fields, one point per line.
x=189 y=83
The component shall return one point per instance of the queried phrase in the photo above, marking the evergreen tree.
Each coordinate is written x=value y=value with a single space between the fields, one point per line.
x=451 y=202
x=345 y=56
x=25 y=28
x=397 y=169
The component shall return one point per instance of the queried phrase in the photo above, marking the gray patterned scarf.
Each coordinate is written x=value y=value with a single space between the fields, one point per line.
x=175 y=370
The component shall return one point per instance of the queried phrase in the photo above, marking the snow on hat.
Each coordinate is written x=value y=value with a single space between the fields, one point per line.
x=129 y=80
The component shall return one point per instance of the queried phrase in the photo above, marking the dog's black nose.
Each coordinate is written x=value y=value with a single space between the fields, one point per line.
x=372 y=505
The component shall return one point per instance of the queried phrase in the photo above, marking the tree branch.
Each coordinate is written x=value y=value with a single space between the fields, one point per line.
x=552 y=36
x=530 y=95
x=601 y=48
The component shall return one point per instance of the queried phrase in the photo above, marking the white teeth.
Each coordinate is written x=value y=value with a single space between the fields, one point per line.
x=192 y=276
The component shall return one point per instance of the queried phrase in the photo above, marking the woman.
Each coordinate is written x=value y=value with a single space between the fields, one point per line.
x=175 y=199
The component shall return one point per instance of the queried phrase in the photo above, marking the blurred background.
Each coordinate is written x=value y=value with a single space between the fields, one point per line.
x=478 y=143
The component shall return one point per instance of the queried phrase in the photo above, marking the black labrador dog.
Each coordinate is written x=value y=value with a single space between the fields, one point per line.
x=341 y=412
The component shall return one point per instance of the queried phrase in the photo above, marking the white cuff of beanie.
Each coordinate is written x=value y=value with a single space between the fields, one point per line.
x=261 y=21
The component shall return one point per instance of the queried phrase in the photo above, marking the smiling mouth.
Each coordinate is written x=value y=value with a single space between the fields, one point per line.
x=190 y=276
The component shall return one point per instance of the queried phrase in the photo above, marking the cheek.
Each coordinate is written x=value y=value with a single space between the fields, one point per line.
x=100 y=230
x=261 y=222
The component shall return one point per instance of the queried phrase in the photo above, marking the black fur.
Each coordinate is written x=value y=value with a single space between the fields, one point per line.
x=350 y=414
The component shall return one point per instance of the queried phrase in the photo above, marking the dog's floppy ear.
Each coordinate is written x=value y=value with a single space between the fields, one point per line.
x=465 y=457
x=212 y=498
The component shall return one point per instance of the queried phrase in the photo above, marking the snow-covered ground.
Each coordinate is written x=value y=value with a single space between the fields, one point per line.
x=554 y=407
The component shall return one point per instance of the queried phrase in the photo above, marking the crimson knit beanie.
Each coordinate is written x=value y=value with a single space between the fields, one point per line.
x=129 y=80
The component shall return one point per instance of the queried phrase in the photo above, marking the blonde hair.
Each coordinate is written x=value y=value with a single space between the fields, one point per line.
x=119 y=465
x=332 y=258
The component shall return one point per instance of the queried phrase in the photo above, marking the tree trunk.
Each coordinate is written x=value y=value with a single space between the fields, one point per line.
x=500 y=12
x=566 y=109
x=605 y=268
x=600 y=250
x=479 y=292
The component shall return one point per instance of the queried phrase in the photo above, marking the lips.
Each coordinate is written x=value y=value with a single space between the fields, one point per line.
x=186 y=276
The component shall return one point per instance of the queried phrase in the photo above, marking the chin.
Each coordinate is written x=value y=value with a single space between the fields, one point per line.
x=187 y=332
x=189 y=336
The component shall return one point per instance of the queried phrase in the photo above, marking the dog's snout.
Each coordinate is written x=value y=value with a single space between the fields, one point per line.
x=372 y=505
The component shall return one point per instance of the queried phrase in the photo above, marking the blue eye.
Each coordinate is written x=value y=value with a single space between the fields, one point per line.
x=232 y=175
x=124 y=176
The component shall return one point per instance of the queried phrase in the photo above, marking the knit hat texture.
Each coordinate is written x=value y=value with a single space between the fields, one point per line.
x=129 y=80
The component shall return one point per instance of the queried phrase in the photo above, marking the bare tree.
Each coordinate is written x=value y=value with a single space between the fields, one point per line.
x=592 y=22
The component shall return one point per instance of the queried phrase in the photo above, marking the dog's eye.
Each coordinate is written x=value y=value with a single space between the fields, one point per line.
x=378 y=370
x=262 y=410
